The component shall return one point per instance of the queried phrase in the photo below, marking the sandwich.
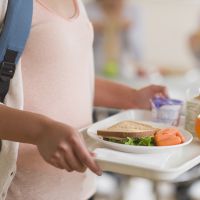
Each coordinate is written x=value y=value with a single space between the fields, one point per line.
x=129 y=132
x=138 y=133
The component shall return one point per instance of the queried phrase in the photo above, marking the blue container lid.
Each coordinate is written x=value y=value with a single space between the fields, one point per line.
x=159 y=102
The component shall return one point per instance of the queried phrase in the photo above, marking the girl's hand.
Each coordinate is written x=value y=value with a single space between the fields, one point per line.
x=61 y=146
x=143 y=96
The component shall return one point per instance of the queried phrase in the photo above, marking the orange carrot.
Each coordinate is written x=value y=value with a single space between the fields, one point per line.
x=181 y=136
x=168 y=136
x=173 y=140
x=168 y=130
x=163 y=136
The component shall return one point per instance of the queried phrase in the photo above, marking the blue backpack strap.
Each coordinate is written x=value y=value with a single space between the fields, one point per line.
x=13 y=38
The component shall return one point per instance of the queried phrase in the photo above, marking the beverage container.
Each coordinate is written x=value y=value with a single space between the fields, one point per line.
x=192 y=107
x=197 y=126
x=167 y=111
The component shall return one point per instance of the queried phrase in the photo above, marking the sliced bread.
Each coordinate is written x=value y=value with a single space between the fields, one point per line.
x=128 y=128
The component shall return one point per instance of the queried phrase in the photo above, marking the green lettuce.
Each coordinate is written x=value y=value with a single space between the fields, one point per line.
x=143 y=141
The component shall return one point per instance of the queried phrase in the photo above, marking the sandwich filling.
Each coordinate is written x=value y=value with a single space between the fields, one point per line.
x=143 y=141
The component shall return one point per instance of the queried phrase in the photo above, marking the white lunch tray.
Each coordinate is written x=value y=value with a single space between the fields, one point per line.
x=169 y=169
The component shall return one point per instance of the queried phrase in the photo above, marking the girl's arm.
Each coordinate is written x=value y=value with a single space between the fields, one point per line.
x=116 y=95
x=59 y=144
x=20 y=126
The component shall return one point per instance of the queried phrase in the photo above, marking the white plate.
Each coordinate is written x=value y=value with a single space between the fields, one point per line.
x=92 y=132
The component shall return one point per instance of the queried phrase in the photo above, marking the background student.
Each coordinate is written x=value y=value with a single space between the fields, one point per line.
x=118 y=38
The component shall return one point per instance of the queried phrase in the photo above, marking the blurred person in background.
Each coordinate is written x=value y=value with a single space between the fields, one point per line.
x=193 y=76
x=118 y=48
x=195 y=46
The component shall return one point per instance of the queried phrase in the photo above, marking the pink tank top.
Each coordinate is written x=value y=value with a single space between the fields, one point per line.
x=57 y=69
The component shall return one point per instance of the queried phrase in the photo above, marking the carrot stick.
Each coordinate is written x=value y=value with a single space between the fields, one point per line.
x=173 y=140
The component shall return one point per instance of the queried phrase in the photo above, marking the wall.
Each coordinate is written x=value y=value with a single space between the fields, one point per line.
x=167 y=26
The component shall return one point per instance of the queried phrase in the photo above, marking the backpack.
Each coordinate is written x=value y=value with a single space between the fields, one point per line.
x=13 y=37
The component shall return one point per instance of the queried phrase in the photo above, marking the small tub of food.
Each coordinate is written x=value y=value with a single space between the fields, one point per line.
x=167 y=111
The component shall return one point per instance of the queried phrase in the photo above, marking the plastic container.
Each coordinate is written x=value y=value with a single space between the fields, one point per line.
x=192 y=111
x=197 y=126
x=166 y=111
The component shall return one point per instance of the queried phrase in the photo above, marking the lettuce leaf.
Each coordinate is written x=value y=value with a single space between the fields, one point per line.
x=143 y=141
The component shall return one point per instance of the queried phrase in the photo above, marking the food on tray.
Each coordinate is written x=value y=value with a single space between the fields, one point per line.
x=166 y=110
x=168 y=136
x=141 y=134
x=128 y=129
x=192 y=112
x=197 y=126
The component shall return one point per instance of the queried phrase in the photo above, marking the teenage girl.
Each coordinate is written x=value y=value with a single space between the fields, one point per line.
x=58 y=82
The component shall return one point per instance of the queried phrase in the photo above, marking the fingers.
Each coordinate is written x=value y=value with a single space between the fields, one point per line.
x=74 y=162
x=71 y=154
x=58 y=161
x=75 y=157
x=85 y=157
x=69 y=159
x=92 y=154
x=155 y=90
x=160 y=91
x=149 y=92
x=89 y=162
